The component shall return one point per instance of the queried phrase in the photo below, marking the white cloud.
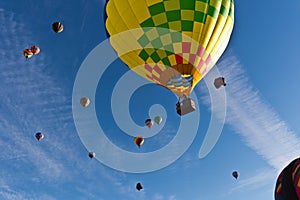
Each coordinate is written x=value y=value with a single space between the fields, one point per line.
x=255 y=120
x=26 y=92
x=158 y=196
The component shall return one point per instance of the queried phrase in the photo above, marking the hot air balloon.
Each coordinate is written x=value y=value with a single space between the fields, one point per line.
x=35 y=49
x=158 y=120
x=139 y=141
x=235 y=174
x=84 y=101
x=149 y=123
x=39 y=136
x=139 y=186
x=27 y=53
x=177 y=41
x=287 y=185
x=220 y=81
x=92 y=155
x=57 y=27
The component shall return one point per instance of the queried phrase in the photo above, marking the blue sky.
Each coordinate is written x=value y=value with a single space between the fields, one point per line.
x=260 y=135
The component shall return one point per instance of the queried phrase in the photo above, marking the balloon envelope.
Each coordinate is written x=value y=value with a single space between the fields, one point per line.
x=85 y=101
x=92 y=155
x=287 y=184
x=39 y=136
x=149 y=123
x=158 y=119
x=35 y=49
x=139 y=186
x=27 y=53
x=57 y=27
x=188 y=39
x=139 y=141
x=220 y=81
x=235 y=174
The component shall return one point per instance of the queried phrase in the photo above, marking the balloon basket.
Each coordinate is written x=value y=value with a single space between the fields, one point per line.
x=185 y=106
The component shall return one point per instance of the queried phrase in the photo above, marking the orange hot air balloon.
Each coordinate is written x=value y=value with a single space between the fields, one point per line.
x=139 y=141
x=27 y=53
x=35 y=50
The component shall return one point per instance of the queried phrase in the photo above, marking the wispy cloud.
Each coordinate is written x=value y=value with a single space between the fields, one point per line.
x=254 y=119
x=162 y=197
x=31 y=100
x=26 y=95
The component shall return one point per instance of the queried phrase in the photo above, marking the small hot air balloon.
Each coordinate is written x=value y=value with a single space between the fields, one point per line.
x=27 y=53
x=92 y=155
x=139 y=186
x=219 y=82
x=35 y=49
x=235 y=174
x=84 y=101
x=57 y=27
x=39 y=136
x=139 y=140
x=149 y=123
x=158 y=120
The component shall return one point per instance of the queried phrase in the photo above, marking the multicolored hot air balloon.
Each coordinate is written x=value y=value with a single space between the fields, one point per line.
x=288 y=182
x=35 y=50
x=57 y=27
x=39 y=136
x=188 y=39
x=27 y=53
x=139 y=141
x=149 y=123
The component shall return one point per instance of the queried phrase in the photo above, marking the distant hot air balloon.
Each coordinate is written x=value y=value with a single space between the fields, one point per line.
x=39 y=136
x=149 y=123
x=27 y=53
x=92 y=155
x=287 y=185
x=85 y=101
x=158 y=120
x=235 y=174
x=139 y=141
x=57 y=27
x=139 y=186
x=35 y=49
x=177 y=42
x=220 y=81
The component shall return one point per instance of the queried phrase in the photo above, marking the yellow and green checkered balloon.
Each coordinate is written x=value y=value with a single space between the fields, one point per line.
x=173 y=43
